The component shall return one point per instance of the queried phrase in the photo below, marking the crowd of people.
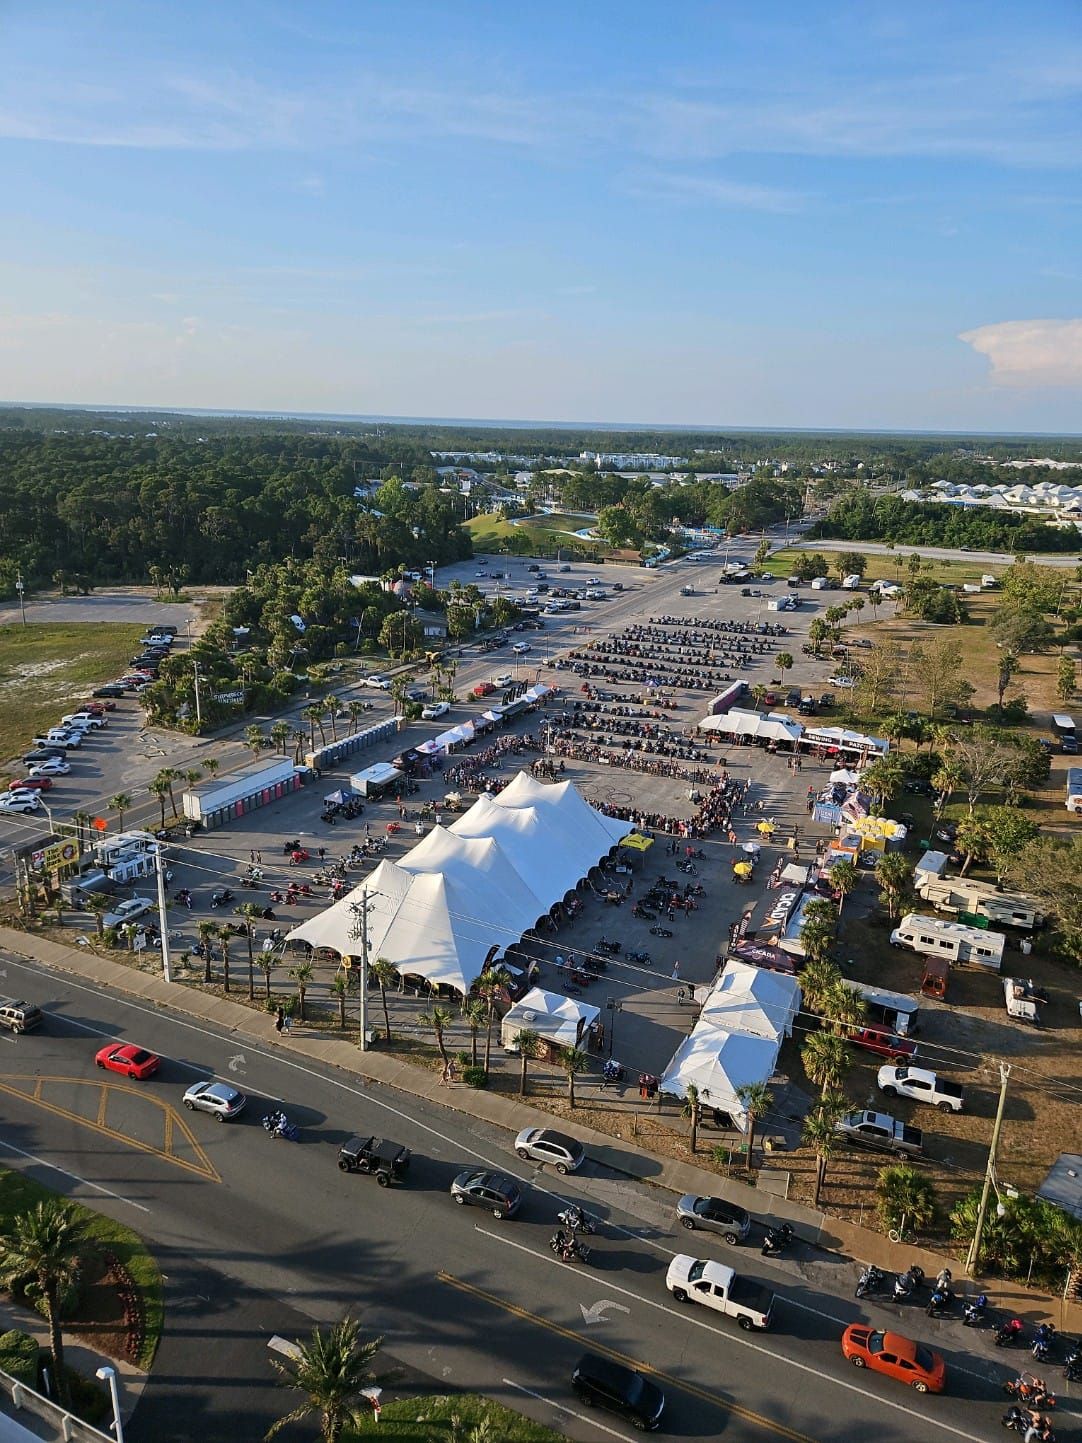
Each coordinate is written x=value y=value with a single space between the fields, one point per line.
x=678 y=653
x=713 y=811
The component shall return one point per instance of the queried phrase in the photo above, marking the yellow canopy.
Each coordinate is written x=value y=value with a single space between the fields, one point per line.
x=637 y=841
x=742 y=869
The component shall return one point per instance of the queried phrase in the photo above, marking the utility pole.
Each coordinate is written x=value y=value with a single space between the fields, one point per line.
x=163 y=920
x=20 y=587
x=990 y=1171
x=360 y=933
x=198 y=704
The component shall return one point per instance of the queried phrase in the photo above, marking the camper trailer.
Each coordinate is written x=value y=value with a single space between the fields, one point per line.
x=979 y=899
x=895 y=1010
x=1074 y=789
x=932 y=937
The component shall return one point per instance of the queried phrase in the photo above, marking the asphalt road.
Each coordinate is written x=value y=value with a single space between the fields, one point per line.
x=469 y=1301
x=940 y=553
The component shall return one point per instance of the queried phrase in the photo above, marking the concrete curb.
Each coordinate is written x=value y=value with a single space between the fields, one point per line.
x=860 y=1244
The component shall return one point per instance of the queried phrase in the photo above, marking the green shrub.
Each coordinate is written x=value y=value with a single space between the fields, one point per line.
x=475 y=1077
x=19 y=1357
x=89 y=1399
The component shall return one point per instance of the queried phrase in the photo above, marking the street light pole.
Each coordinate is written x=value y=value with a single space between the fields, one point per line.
x=20 y=587
x=163 y=920
x=108 y=1375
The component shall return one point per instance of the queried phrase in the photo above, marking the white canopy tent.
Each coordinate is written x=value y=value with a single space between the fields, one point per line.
x=773 y=727
x=719 y=1064
x=751 y=1000
x=562 y=1020
x=465 y=893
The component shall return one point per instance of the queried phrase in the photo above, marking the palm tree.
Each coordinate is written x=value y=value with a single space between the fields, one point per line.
x=573 y=1061
x=46 y=1245
x=225 y=937
x=693 y=1112
x=819 y=1133
x=826 y=1060
x=120 y=804
x=757 y=1100
x=905 y=1196
x=250 y=911
x=299 y=739
x=844 y=878
x=82 y=822
x=313 y=715
x=844 y=1008
x=385 y=973
x=356 y=711
x=279 y=735
x=265 y=962
x=817 y=977
x=438 y=1018
x=340 y=988
x=211 y=766
x=489 y=986
x=475 y=1013
x=169 y=775
x=160 y=788
x=331 y=1371
x=527 y=1040
x=895 y=877
x=254 y=739
x=758 y=692
x=333 y=705
x=302 y=975
x=207 y=930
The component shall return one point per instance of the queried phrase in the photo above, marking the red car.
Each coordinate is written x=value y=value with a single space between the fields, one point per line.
x=132 y=1061
x=30 y=784
x=899 y=1357
x=883 y=1043
x=99 y=708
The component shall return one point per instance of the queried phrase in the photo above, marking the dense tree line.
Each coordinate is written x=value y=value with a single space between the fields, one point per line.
x=860 y=516
x=109 y=508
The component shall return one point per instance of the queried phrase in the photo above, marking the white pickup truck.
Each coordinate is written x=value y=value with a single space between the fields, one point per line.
x=695 y=1280
x=921 y=1086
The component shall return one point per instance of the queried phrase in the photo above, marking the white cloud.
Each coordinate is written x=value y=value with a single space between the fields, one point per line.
x=1031 y=353
x=680 y=187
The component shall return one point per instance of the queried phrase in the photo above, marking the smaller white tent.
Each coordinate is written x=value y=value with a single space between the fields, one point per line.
x=751 y=1000
x=773 y=727
x=719 y=1064
x=558 y=1019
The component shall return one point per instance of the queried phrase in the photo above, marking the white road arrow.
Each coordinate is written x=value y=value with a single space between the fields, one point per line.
x=596 y=1313
x=237 y=1064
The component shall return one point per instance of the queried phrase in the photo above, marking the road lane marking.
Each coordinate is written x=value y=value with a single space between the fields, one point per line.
x=592 y=1345
x=203 y=1167
x=85 y=1181
x=732 y=1336
x=551 y=1403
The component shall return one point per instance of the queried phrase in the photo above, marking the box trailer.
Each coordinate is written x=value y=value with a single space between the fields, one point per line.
x=933 y=937
x=851 y=583
x=1074 y=789
x=980 y=899
x=896 y=1010
x=214 y=802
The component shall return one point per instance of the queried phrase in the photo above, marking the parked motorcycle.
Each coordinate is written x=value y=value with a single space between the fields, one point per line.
x=221 y=898
x=642 y=958
x=870 y=1281
x=1043 y=1342
x=941 y=1301
x=660 y=932
x=184 y=896
x=1020 y=1420
x=777 y=1239
x=640 y=911
x=612 y=948
x=1072 y=1366
x=907 y=1283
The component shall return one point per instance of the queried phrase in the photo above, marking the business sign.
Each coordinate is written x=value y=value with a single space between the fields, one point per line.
x=230 y=698
x=773 y=912
x=60 y=854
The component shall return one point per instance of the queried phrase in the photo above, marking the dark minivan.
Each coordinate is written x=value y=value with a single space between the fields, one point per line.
x=599 y=1382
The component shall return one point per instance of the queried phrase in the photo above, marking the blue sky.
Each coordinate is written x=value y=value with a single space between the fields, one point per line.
x=808 y=214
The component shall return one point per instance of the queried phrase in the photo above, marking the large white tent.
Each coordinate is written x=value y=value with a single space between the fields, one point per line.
x=465 y=893
x=719 y=1064
x=773 y=727
x=751 y=1000
x=558 y=1019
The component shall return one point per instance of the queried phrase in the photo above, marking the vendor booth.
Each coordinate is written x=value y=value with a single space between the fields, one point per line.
x=561 y=1022
x=375 y=780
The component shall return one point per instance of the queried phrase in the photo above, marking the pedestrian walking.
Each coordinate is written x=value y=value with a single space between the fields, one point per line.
x=289 y=1023
x=251 y=856
x=676 y=971
x=322 y=854
x=259 y=858
x=279 y=1020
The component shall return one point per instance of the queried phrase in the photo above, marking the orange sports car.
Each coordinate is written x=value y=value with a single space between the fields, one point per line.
x=899 y=1357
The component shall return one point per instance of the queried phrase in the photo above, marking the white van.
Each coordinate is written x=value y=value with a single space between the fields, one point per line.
x=932 y=937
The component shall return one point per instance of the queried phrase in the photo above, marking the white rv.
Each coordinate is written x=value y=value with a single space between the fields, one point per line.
x=932 y=937
x=1074 y=789
x=980 y=899
x=895 y=1010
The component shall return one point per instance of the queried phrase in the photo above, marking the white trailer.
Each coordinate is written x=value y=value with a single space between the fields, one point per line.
x=256 y=784
x=1023 y=999
x=932 y=937
x=980 y=899
x=1074 y=789
x=851 y=583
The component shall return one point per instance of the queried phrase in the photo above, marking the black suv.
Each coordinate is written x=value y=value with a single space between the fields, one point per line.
x=600 y=1383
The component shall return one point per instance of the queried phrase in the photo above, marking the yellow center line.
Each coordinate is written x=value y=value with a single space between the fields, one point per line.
x=202 y=1167
x=703 y=1394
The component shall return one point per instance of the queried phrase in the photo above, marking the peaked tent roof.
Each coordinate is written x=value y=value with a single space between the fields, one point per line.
x=468 y=891
x=718 y=1064
x=751 y=1000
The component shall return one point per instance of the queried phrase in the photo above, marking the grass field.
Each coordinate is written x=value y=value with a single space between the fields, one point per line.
x=886 y=568
x=433 y=1420
x=491 y=532
x=45 y=670
x=19 y=1193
